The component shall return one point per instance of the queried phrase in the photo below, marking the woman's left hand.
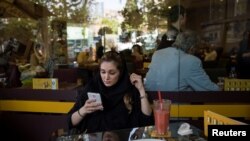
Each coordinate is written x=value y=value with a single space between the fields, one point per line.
x=136 y=80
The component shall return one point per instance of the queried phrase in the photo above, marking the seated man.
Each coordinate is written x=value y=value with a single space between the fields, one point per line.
x=176 y=69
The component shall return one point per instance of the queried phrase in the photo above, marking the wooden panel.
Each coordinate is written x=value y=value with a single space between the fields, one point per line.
x=227 y=110
x=177 y=110
x=35 y=106
x=66 y=93
x=205 y=97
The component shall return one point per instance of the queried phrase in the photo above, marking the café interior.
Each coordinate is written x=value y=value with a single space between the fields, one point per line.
x=43 y=60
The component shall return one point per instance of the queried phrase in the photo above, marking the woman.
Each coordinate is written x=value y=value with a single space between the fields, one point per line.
x=124 y=101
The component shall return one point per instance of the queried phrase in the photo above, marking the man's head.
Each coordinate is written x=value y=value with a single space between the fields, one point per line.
x=186 y=40
x=177 y=12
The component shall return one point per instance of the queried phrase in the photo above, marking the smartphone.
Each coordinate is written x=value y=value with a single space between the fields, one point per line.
x=95 y=96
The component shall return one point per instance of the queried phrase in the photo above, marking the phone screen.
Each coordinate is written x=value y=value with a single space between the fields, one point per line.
x=95 y=96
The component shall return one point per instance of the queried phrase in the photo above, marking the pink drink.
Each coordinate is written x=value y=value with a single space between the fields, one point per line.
x=162 y=115
x=161 y=121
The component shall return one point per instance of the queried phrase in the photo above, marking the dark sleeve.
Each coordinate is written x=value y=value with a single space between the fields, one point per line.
x=138 y=117
x=80 y=101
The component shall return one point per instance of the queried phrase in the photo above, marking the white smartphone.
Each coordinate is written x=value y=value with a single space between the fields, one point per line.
x=95 y=96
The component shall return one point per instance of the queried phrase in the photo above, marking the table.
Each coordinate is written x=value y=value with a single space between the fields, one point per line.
x=135 y=134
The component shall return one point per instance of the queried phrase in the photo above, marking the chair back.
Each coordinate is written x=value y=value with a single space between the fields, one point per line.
x=236 y=84
x=212 y=118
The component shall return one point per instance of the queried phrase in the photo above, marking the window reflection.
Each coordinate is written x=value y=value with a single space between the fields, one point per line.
x=221 y=25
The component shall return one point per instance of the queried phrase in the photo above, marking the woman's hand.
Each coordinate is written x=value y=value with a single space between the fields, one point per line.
x=136 y=80
x=90 y=106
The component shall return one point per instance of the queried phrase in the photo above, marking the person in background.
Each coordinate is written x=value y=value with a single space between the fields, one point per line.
x=177 y=22
x=9 y=71
x=175 y=69
x=82 y=58
x=138 y=56
x=83 y=63
x=124 y=101
x=177 y=19
x=99 y=51
x=92 y=54
x=232 y=59
x=163 y=43
x=36 y=67
x=243 y=56
x=129 y=60
x=36 y=57
x=210 y=54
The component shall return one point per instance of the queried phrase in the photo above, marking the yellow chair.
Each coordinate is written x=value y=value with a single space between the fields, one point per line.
x=236 y=84
x=212 y=118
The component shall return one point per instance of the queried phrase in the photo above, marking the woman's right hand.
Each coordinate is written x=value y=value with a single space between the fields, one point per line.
x=90 y=106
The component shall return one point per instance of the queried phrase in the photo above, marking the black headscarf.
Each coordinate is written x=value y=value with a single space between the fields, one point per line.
x=115 y=93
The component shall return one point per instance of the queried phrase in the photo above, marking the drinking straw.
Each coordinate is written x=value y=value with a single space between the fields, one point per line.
x=160 y=99
x=159 y=96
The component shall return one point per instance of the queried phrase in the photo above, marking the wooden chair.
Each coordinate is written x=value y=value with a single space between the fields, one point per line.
x=212 y=118
x=236 y=84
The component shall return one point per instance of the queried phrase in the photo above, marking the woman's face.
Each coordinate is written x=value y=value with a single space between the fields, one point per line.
x=109 y=73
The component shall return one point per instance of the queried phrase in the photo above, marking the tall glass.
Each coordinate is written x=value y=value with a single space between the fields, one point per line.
x=162 y=115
